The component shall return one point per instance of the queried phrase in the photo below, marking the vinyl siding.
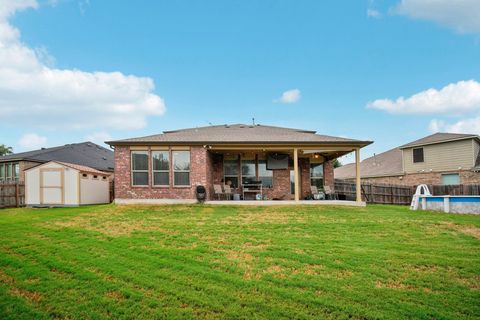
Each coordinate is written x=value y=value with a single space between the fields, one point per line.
x=448 y=156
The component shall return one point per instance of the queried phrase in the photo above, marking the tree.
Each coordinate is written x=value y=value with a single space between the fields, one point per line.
x=337 y=163
x=4 y=150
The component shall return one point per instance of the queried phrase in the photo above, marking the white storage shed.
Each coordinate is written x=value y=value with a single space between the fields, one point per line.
x=65 y=184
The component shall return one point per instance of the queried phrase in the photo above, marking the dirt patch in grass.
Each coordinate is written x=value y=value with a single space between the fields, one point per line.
x=115 y=295
x=18 y=292
x=5 y=278
x=394 y=284
x=469 y=230
x=269 y=215
x=25 y=294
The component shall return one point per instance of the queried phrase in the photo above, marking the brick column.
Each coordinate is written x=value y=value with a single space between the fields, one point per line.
x=328 y=174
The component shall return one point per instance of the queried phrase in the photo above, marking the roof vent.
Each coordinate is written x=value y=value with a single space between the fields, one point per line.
x=104 y=158
x=227 y=126
x=42 y=148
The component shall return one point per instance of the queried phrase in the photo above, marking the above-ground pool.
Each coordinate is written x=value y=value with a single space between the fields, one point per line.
x=453 y=204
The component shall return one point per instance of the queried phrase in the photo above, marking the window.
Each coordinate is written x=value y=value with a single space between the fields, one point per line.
x=316 y=175
x=449 y=179
x=84 y=176
x=95 y=177
x=2 y=172
x=230 y=172
x=9 y=171
x=264 y=175
x=16 y=171
x=161 y=168
x=181 y=168
x=104 y=178
x=248 y=171
x=140 y=168
x=418 y=155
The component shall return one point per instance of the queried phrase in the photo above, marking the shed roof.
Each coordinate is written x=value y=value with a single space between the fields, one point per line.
x=86 y=154
x=83 y=169
x=239 y=134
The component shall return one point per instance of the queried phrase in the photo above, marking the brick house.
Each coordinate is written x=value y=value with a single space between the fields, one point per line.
x=441 y=158
x=88 y=154
x=167 y=167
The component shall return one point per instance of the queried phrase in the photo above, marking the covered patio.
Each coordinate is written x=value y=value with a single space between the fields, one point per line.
x=246 y=176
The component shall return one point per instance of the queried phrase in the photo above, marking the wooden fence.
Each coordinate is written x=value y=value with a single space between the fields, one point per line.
x=398 y=194
x=12 y=195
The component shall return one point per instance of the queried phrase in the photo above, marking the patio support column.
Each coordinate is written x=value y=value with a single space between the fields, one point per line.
x=357 y=175
x=296 y=173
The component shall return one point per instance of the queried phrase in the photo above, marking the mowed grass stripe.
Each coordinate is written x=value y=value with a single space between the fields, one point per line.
x=127 y=262
x=190 y=261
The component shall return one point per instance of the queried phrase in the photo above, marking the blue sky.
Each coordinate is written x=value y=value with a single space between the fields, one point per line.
x=174 y=64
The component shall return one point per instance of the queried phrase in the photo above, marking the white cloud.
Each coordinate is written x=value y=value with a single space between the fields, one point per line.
x=33 y=93
x=31 y=141
x=455 y=98
x=372 y=13
x=470 y=125
x=460 y=15
x=99 y=137
x=290 y=96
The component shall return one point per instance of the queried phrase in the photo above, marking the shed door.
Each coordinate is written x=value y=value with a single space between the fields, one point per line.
x=51 y=186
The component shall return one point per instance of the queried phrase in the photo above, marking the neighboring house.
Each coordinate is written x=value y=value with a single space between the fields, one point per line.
x=89 y=154
x=167 y=167
x=58 y=183
x=441 y=158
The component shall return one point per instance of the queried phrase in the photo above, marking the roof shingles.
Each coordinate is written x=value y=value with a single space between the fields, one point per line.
x=238 y=133
x=86 y=153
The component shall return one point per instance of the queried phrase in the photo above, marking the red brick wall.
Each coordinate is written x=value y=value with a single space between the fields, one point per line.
x=304 y=165
x=328 y=177
x=200 y=171
x=206 y=169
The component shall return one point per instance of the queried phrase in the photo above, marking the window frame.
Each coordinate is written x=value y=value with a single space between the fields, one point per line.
x=9 y=176
x=415 y=156
x=182 y=171
x=230 y=176
x=169 y=156
x=255 y=173
x=313 y=178
x=450 y=174
x=259 y=177
x=132 y=170
x=2 y=172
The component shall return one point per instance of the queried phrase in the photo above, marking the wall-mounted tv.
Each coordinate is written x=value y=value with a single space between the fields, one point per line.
x=277 y=161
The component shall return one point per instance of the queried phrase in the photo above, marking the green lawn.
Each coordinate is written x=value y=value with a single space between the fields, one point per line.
x=209 y=262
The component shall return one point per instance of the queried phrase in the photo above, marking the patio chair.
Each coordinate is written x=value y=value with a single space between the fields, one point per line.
x=317 y=195
x=228 y=192
x=331 y=195
x=217 y=190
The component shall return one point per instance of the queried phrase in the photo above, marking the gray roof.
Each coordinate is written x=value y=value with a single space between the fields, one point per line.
x=439 y=138
x=388 y=163
x=239 y=134
x=86 y=154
